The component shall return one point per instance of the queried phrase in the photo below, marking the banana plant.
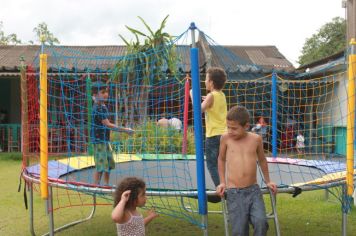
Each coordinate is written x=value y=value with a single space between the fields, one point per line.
x=143 y=64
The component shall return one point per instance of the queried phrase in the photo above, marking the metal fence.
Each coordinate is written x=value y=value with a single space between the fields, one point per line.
x=10 y=138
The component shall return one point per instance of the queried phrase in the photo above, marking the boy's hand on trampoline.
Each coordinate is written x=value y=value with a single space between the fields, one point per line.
x=125 y=195
x=273 y=187
x=220 y=190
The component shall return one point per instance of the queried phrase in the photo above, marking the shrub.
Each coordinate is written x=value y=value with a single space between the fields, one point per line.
x=150 y=138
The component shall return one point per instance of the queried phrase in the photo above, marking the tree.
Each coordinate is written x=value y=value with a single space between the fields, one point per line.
x=42 y=31
x=8 y=39
x=330 y=39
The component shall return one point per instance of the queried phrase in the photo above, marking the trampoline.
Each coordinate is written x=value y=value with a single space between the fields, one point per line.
x=287 y=173
x=77 y=174
x=57 y=120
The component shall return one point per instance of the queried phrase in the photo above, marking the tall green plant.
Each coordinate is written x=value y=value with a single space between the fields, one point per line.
x=153 y=139
x=146 y=60
x=151 y=56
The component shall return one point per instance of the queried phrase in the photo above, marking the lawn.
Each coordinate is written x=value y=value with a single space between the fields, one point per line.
x=307 y=214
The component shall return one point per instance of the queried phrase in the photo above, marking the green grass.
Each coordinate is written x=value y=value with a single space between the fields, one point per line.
x=307 y=214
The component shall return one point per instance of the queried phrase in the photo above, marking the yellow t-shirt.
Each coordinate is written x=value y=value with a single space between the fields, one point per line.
x=215 y=116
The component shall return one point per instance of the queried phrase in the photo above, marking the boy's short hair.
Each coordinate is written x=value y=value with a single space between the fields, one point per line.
x=98 y=86
x=239 y=114
x=218 y=76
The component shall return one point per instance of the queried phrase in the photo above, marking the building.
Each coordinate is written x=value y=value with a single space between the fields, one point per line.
x=243 y=63
x=335 y=64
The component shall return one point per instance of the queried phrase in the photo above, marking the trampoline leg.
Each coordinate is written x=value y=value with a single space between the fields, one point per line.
x=344 y=223
x=225 y=215
x=71 y=223
x=32 y=229
x=273 y=215
x=344 y=214
x=49 y=208
x=205 y=224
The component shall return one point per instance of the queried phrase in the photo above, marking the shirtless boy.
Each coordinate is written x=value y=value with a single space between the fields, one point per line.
x=238 y=156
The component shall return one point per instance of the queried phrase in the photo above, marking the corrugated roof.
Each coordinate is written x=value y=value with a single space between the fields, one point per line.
x=242 y=58
x=87 y=56
x=245 y=58
x=266 y=57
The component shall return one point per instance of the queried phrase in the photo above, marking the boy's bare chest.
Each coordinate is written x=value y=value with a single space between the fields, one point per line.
x=244 y=143
x=242 y=149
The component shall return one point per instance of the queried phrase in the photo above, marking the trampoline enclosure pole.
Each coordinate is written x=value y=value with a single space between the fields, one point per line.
x=185 y=116
x=274 y=114
x=43 y=127
x=89 y=105
x=351 y=119
x=198 y=131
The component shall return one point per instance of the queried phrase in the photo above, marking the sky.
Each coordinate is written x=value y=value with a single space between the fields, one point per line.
x=285 y=24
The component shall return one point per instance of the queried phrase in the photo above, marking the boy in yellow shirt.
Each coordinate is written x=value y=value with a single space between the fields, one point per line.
x=215 y=108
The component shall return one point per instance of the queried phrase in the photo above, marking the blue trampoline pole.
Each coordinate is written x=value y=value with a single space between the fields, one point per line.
x=274 y=114
x=198 y=131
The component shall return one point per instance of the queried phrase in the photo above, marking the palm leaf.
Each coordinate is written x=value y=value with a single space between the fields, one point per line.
x=163 y=24
x=125 y=41
x=136 y=31
x=147 y=27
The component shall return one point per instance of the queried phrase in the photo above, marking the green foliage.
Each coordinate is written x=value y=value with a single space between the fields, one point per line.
x=41 y=31
x=330 y=39
x=152 y=139
x=150 y=56
x=8 y=39
x=15 y=156
x=43 y=34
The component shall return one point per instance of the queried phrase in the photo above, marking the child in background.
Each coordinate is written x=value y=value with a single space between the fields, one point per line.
x=300 y=143
x=174 y=123
x=261 y=129
x=100 y=133
x=130 y=194
x=215 y=108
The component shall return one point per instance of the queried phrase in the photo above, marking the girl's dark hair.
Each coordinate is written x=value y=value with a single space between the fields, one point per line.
x=130 y=183
x=218 y=76
x=239 y=114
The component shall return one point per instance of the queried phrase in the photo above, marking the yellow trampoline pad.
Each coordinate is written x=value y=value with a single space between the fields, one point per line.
x=325 y=179
x=80 y=162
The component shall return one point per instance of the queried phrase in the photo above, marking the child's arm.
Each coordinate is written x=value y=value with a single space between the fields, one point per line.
x=262 y=161
x=150 y=216
x=220 y=189
x=110 y=125
x=208 y=101
x=118 y=214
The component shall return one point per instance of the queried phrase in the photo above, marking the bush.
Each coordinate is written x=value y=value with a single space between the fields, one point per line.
x=16 y=156
x=150 y=138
